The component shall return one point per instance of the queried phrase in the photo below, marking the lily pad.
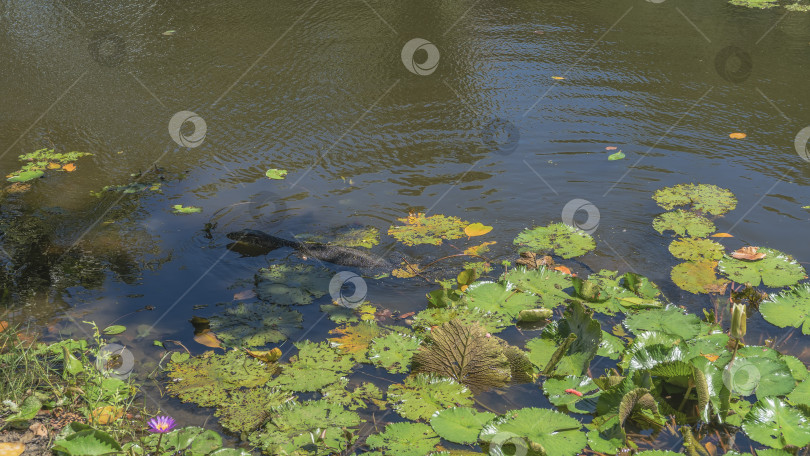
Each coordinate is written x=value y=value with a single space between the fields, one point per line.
x=273 y=173
x=670 y=320
x=535 y=430
x=498 y=299
x=460 y=424
x=180 y=209
x=404 y=439
x=355 y=339
x=603 y=293
x=26 y=176
x=255 y=324
x=393 y=351
x=360 y=397
x=776 y=270
x=774 y=423
x=245 y=409
x=562 y=393
x=429 y=318
x=567 y=347
x=315 y=366
x=789 y=308
x=698 y=277
x=422 y=395
x=801 y=394
x=695 y=249
x=292 y=285
x=684 y=222
x=546 y=283
x=421 y=229
x=706 y=198
x=558 y=238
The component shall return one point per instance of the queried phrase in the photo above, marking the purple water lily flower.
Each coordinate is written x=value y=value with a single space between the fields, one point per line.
x=161 y=424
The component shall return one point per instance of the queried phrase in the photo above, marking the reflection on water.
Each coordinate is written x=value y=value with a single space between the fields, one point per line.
x=507 y=128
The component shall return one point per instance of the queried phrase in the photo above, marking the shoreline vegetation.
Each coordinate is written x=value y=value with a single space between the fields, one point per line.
x=622 y=368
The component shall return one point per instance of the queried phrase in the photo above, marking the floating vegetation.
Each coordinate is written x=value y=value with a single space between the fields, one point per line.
x=684 y=223
x=775 y=270
x=393 y=351
x=421 y=229
x=422 y=395
x=789 y=308
x=273 y=173
x=704 y=198
x=558 y=238
x=180 y=209
x=39 y=161
x=255 y=324
x=292 y=285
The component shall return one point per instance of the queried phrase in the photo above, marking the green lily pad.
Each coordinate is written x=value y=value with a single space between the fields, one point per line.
x=695 y=249
x=422 y=395
x=568 y=346
x=26 y=176
x=460 y=424
x=776 y=270
x=535 y=430
x=706 y=198
x=611 y=346
x=670 y=320
x=89 y=442
x=245 y=409
x=421 y=229
x=761 y=4
x=616 y=156
x=315 y=366
x=429 y=318
x=801 y=394
x=404 y=439
x=684 y=222
x=773 y=423
x=698 y=277
x=393 y=351
x=255 y=324
x=367 y=237
x=292 y=285
x=498 y=299
x=559 y=394
x=546 y=283
x=360 y=397
x=603 y=293
x=180 y=209
x=273 y=173
x=789 y=308
x=558 y=238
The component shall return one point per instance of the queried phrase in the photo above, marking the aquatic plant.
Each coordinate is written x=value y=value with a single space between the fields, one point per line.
x=789 y=308
x=558 y=238
x=255 y=324
x=421 y=229
x=422 y=395
x=704 y=198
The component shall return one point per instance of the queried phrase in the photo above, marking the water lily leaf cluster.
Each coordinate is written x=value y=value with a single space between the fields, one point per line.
x=315 y=366
x=37 y=162
x=421 y=229
x=394 y=351
x=776 y=269
x=292 y=285
x=607 y=292
x=255 y=324
x=704 y=198
x=789 y=308
x=557 y=238
x=422 y=395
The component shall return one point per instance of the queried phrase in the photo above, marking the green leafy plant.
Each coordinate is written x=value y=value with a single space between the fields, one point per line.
x=393 y=351
x=776 y=270
x=403 y=439
x=460 y=424
x=684 y=223
x=538 y=432
x=706 y=198
x=255 y=324
x=422 y=395
x=292 y=285
x=421 y=229
x=315 y=366
x=558 y=238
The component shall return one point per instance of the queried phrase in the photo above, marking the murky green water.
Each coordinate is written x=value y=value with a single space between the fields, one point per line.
x=320 y=89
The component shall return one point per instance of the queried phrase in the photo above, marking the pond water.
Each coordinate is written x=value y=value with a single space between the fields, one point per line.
x=510 y=125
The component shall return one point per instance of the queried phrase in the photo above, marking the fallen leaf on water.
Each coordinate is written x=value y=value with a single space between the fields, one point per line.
x=559 y=78
x=721 y=235
x=406 y=315
x=266 y=356
x=737 y=135
x=106 y=414
x=711 y=358
x=616 y=156
x=208 y=338
x=53 y=165
x=563 y=269
x=70 y=167
x=611 y=148
x=477 y=229
x=245 y=294
x=748 y=253
x=478 y=249
x=11 y=449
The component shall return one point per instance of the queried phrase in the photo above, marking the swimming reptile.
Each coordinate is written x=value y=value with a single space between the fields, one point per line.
x=343 y=256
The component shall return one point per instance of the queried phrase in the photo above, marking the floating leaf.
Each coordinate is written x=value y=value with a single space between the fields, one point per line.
x=748 y=253
x=738 y=135
x=296 y=285
x=559 y=238
x=429 y=318
x=367 y=236
x=180 y=209
x=684 y=222
x=269 y=356
x=498 y=299
x=113 y=330
x=421 y=229
x=616 y=156
x=773 y=423
x=567 y=347
x=789 y=308
x=535 y=430
x=404 y=439
x=562 y=393
x=464 y=353
x=315 y=366
x=273 y=173
x=360 y=397
x=477 y=229
x=698 y=277
x=776 y=270
x=670 y=320
x=422 y=395
x=70 y=167
x=393 y=351
x=169 y=32
x=208 y=338
x=355 y=339
x=478 y=249
x=460 y=424
x=694 y=249
x=246 y=409
x=706 y=198
x=722 y=235
x=26 y=176
x=543 y=282
x=603 y=292
x=801 y=394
